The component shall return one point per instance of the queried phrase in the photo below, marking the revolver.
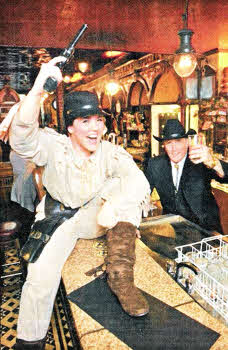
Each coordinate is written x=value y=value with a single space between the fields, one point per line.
x=51 y=83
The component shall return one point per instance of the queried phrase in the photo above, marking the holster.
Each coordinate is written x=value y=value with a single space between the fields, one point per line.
x=56 y=213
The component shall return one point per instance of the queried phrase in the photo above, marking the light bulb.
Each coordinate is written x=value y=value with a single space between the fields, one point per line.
x=76 y=76
x=112 y=87
x=111 y=54
x=83 y=66
x=184 y=64
x=66 y=79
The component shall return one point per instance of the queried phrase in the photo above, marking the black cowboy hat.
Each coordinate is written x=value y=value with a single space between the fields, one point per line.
x=81 y=104
x=173 y=130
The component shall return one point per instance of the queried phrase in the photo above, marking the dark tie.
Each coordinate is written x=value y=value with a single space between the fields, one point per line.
x=176 y=178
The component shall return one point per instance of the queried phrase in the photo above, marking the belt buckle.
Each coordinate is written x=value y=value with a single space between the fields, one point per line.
x=36 y=234
x=62 y=208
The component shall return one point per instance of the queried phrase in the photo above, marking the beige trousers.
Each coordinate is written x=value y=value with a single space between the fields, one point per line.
x=40 y=288
x=43 y=278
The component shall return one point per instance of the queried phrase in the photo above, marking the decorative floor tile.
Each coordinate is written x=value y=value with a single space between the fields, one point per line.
x=61 y=333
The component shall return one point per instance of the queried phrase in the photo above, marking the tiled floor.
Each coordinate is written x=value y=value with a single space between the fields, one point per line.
x=61 y=333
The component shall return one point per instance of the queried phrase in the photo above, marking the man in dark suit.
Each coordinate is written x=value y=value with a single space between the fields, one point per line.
x=182 y=177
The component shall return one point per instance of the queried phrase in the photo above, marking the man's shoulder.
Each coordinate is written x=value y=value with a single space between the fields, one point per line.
x=162 y=159
x=157 y=164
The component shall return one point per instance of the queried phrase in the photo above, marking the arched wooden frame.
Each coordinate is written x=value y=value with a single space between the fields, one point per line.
x=7 y=94
x=166 y=88
x=140 y=89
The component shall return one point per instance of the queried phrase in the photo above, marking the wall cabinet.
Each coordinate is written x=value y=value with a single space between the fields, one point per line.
x=222 y=201
x=220 y=138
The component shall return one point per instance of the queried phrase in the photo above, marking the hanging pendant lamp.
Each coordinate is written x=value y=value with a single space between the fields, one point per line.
x=185 y=59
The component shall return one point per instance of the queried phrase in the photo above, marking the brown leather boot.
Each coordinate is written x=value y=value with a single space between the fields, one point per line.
x=30 y=345
x=120 y=263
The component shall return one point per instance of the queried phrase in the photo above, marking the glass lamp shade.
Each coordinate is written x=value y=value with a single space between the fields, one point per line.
x=184 y=64
x=66 y=79
x=83 y=66
x=76 y=76
x=112 y=87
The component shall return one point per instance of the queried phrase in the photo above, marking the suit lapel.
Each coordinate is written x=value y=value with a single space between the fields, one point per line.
x=167 y=173
x=188 y=165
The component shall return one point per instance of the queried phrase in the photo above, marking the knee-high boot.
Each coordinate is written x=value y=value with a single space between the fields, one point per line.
x=120 y=263
x=30 y=345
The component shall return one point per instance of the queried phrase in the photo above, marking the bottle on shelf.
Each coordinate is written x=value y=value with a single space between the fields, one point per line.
x=125 y=140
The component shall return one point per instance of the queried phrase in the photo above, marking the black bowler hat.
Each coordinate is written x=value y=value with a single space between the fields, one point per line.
x=80 y=104
x=191 y=132
x=173 y=130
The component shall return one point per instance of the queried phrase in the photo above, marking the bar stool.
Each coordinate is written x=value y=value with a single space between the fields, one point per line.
x=12 y=268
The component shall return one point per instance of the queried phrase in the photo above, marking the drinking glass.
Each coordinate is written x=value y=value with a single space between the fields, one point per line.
x=193 y=140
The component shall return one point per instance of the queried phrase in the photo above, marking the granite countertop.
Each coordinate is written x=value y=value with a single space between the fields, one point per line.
x=149 y=277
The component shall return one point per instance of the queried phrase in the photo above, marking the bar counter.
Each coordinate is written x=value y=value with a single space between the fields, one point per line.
x=220 y=192
x=151 y=278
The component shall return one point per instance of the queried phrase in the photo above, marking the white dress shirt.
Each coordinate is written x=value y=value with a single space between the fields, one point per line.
x=177 y=171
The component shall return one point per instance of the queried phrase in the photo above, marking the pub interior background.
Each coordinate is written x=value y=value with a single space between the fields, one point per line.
x=126 y=57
